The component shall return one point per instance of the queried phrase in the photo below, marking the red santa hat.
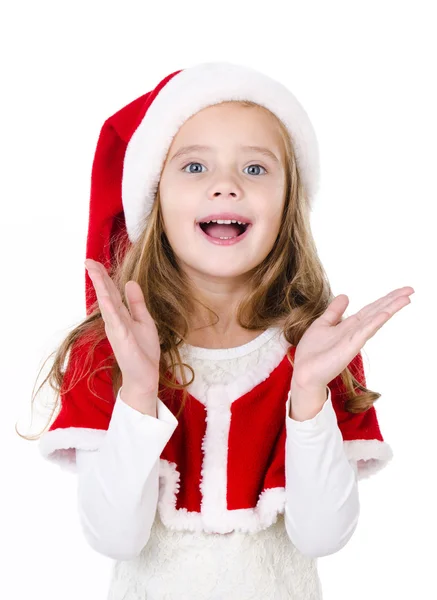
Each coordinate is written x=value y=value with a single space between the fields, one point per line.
x=134 y=142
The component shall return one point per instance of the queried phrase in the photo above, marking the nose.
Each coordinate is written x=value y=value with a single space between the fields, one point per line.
x=225 y=185
x=226 y=189
x=233 y=194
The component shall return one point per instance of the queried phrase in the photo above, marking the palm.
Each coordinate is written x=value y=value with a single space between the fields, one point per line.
x=141 y=338
x=131 y=331
x=329 y=344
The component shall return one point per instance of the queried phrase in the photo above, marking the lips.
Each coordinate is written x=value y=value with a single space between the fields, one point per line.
x=231 y=230
x=219 y=242
x=225 y=217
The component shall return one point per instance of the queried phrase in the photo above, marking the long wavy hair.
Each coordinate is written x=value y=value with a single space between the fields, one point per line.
x=289 y=288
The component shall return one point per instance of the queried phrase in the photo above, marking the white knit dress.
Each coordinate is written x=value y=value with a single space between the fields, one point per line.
x=203 y=566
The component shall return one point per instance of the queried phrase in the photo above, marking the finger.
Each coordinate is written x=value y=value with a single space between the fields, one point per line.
x=374 y=322
x=136 y=302
x=110 y=312
x=362 y=330
x=101 y=294
x=384 y=302
x=107 y=287
x=335 y=310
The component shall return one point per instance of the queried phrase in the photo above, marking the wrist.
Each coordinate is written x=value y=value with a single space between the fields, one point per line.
x=138 y=390
x=307 y=389
x=306 y=402
x=142 y=401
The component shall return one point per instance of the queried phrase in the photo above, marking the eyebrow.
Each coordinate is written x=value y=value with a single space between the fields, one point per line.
x=198 y=148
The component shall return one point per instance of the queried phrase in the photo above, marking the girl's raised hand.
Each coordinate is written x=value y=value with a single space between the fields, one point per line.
x=132 y=333
x=329 y=345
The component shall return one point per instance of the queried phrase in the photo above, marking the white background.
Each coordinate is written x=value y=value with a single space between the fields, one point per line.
x=365 y=73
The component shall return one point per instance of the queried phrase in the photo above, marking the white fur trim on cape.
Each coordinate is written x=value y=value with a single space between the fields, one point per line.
x=214 y=515
x=370 y=456
x=59 y=446
x=187 y=93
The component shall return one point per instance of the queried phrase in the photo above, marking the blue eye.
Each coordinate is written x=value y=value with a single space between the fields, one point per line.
x=192 y=163
x=256 y=166
x=196 y=163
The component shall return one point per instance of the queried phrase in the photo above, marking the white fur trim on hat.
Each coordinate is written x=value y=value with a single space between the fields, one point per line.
x=184 y=95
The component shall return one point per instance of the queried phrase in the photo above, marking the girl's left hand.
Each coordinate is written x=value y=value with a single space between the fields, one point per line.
x=329 y=345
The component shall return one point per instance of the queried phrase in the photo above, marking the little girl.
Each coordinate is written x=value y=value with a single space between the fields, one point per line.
x=217 y=459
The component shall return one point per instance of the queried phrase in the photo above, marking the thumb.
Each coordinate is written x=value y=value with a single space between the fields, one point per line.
x=335 y=310
x=136 y=303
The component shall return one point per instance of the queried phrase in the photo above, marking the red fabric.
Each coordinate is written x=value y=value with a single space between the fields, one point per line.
x=361 y=426
x=257 y=438
x=79 y=407
x=184 y=447
x=106 y=215
x=257 y=435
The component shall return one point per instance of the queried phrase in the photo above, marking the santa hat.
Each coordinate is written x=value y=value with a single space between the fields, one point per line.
x=133 y=144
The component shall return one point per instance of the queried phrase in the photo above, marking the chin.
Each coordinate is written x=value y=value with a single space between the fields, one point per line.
x=225 y=272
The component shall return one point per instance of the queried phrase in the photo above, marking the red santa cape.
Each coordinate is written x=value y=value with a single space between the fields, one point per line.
x=223 y=469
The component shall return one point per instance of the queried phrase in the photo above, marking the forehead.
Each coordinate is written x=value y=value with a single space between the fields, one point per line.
x=229 y=121
x=231 y=116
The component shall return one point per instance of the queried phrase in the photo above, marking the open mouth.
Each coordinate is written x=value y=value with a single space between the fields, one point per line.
x=224 y=231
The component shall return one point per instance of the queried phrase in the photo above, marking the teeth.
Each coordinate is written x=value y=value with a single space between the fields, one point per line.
x=222 y=222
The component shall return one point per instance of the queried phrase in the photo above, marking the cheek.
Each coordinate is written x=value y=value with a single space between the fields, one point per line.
x=176 y=210
x=268 y=231
x=267 y=236
x=179 y=222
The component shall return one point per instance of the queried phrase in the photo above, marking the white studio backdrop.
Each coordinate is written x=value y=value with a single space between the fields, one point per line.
x=364 y=72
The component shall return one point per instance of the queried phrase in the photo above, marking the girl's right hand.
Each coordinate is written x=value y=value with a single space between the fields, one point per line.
x=133 y=335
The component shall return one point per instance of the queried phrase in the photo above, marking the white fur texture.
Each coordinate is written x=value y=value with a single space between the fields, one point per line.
x=370 y=456
x=59 y=446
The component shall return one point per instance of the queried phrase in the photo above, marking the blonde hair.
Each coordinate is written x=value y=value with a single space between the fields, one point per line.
x=288 y=288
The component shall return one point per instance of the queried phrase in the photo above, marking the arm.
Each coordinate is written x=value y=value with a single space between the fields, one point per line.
x=118 y=483
x=322 y=502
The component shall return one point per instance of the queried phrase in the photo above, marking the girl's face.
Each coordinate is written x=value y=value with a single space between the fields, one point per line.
x=225 y=177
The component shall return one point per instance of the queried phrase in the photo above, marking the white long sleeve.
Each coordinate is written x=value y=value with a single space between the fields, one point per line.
x=322 y=500
x=118 y=484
